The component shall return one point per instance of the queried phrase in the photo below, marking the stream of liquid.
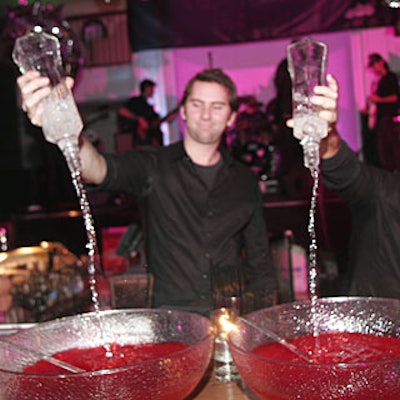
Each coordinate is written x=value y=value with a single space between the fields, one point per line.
x=70 y=151
x=311 y=161
x=313 y=247
x=62 y=124
x=71 y=154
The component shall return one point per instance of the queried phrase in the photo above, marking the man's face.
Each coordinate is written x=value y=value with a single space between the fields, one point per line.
x=377 y=68
x=148 y=92
x=207 y=112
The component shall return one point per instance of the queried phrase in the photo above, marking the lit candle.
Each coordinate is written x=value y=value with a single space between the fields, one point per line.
x=224 y=319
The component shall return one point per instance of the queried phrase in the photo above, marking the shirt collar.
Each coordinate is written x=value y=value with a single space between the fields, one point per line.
x=177 y=152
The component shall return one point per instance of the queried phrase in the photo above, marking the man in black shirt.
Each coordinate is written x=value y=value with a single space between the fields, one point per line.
x=373 y=195
x=202 y=211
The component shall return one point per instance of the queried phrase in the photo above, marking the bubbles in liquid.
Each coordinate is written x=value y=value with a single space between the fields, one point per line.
x=71 y=153
x=311 y=161
x=61 y=118
x=313 y=248
x=309 y=126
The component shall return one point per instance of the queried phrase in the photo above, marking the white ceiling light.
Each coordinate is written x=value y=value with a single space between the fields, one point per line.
x=393 y=3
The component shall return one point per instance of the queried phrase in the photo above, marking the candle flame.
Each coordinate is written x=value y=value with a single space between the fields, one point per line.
x=226 y=324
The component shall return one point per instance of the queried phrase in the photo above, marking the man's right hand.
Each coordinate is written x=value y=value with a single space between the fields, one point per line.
x=326 y=97
x=34 y=88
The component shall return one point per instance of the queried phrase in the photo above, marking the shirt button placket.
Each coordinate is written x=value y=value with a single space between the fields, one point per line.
x=207 y=242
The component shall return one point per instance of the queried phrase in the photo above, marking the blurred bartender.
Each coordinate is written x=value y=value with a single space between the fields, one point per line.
x=373 y=195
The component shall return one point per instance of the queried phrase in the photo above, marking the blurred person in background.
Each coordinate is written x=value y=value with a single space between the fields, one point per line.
x=138 y=117
x=383 y=108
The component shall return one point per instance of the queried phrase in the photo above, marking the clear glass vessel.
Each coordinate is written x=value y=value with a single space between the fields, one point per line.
x=38 y=50
x=161 y=375
x=362 y=362
x=307 y=65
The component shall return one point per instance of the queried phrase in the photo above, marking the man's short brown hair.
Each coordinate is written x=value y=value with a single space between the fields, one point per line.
x=215 y=75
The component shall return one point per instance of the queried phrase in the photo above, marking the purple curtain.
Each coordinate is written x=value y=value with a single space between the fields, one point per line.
x=178 y=23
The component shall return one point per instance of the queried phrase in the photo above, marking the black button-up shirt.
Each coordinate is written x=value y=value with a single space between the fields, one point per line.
x=191 y=230
x=374 y=197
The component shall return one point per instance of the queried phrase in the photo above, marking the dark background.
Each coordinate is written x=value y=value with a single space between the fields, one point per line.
x=177 y=23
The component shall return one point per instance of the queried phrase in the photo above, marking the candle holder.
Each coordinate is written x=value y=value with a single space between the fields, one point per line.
x=224 y=320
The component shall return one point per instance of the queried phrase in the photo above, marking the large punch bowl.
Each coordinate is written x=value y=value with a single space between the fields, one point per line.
x=353 y=342
x=138 y=354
